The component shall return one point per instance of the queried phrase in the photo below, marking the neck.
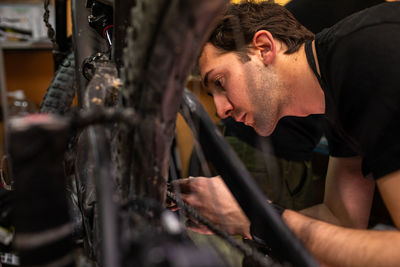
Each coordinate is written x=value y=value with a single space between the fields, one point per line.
x=306 y=94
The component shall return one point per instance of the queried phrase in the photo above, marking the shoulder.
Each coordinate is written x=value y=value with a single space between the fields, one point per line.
x=355 y=26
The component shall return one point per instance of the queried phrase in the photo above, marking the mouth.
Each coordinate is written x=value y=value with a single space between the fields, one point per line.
x=241 y=118
x=248 y=124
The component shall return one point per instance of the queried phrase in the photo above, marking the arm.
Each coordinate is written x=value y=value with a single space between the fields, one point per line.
x=340 y=246
x=329 y=243
x=348 y=195
x=389 y=187
x=348 y=198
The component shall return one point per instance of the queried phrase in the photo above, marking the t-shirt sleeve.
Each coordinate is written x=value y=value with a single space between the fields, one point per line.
x=338 y=147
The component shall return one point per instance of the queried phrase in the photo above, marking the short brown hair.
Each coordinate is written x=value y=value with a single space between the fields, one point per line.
x=241 y=21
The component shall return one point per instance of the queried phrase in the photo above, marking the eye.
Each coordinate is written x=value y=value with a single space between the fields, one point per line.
x=208 y=93
x=218 y=82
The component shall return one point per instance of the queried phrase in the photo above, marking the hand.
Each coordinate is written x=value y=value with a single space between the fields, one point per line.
x=213 y=200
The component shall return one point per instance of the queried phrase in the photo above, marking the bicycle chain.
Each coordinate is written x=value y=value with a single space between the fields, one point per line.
x=50 y=30
x=247 y=250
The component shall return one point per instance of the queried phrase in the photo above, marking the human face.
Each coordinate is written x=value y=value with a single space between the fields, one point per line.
x=249 y=92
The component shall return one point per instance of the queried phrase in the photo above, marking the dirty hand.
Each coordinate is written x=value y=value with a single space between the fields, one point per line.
x=213 y=200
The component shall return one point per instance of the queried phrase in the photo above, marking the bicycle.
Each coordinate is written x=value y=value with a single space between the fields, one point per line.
x=123 y=112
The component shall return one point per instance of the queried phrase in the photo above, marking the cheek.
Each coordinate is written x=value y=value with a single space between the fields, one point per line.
x=236 y=90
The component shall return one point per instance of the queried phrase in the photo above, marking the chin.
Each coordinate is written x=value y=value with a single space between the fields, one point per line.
x=262 y=132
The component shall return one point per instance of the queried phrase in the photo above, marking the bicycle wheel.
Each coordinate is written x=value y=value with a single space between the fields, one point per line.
x=163 y=42
x=157 y=61
x=61 y=91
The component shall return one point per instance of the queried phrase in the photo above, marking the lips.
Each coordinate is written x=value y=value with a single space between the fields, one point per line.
x=247 y=121
x=241 y=118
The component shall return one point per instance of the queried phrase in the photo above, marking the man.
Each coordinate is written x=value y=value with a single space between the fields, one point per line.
x=292 y=182
x=349 y=73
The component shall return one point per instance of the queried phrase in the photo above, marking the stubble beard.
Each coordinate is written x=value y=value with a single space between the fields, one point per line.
x=265 y=96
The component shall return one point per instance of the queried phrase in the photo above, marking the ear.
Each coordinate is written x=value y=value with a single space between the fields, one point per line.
x=264 y=44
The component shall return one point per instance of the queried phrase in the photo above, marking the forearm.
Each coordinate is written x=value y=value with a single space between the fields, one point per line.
x=348 y=195
x=338 y=246
x=321 y=212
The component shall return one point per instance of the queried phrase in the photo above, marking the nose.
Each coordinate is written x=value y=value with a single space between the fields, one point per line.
x=223 y=106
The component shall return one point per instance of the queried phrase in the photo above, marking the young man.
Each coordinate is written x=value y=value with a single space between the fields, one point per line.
x=349 y=73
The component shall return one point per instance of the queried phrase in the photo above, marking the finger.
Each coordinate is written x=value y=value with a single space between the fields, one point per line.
x=182 y=185
x=198 y=228
x=173 y=208
x=169 y=204
x=169 y=200
x=189 y=199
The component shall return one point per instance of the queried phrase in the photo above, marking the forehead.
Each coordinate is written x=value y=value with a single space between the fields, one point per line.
x=212 y=60
x=209 y=54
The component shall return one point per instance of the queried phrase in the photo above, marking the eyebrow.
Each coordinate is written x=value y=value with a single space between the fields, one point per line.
x=205 y=80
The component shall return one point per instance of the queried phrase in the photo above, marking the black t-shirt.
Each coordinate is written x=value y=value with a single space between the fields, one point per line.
x=316 y=15
x=359 y=59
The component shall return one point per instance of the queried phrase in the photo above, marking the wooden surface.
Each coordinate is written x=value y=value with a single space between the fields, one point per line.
x=30 y=71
